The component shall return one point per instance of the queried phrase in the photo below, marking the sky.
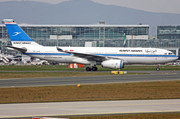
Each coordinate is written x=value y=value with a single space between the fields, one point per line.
x=163 y=6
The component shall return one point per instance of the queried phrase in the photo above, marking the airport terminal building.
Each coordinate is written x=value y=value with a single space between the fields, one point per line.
x=168 y=32
x=100 y=35
x=77 y=35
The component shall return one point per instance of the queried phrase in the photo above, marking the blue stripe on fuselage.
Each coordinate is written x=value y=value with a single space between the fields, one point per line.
x=110 y=55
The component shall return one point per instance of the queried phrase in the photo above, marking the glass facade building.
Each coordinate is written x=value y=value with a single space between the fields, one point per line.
x=168 y=32
x=78 y=33
x=100 y=35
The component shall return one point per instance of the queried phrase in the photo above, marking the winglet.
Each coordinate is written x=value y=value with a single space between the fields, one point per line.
x=59 y=49
x=124 y=39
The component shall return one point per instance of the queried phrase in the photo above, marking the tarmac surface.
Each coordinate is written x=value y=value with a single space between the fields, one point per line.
x=63 y=81
x=65 y=109
x=90 y=107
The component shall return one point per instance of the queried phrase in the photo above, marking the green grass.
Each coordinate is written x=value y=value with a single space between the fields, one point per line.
x=65 y=68
x=6 y=75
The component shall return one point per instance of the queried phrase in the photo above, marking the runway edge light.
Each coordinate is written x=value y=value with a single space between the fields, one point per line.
x=79 y=85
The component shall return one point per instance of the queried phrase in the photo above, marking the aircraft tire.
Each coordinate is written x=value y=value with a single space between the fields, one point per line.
x=94 y=68
x=88 y=69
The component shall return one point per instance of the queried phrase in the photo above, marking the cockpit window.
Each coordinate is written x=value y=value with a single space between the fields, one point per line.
x=170 y=53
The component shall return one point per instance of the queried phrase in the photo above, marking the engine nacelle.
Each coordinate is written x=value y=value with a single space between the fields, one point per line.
x=113 y=63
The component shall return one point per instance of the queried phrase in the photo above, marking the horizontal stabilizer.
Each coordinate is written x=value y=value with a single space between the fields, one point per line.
x=23 y=49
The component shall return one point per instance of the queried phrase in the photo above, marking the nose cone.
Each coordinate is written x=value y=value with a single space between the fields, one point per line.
x=176 y=57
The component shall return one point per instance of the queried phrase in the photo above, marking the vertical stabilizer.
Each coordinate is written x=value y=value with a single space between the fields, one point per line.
x=17 y=36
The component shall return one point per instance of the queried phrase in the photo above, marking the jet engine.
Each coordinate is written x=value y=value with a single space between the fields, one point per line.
x=113 y=63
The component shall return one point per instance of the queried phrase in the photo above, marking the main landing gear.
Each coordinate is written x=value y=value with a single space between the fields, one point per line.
x=91 y=68
x=158 y=68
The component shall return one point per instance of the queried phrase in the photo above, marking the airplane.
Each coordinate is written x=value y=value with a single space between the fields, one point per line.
x=108 y=57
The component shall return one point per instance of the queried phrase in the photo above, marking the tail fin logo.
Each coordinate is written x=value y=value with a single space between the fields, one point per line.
x=16 y=33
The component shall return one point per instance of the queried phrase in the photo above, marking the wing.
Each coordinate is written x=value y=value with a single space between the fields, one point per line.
x=89 y=57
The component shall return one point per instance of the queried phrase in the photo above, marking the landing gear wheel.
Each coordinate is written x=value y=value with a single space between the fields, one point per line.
x=158 y=68
x=94 y=68
x=88 y=69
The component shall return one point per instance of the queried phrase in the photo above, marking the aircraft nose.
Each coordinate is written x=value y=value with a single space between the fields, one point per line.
x=176 y=57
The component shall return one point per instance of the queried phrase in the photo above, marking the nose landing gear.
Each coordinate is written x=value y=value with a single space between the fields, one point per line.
x=158 y=68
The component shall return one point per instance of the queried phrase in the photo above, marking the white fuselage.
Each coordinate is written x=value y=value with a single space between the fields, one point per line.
x=128 y=55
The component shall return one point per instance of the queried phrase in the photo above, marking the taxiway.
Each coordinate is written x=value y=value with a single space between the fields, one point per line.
x=60 y=109
x=63 y=81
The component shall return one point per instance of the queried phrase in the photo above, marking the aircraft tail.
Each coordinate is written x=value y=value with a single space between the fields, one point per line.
x=17 y=36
